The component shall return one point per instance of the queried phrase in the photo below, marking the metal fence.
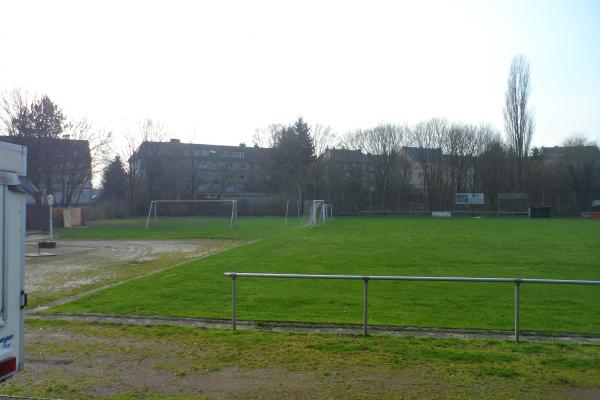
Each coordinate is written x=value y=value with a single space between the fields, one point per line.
x=366 y=278
x=495 y=203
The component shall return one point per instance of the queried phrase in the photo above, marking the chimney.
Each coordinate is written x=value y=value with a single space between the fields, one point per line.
x=175 y=141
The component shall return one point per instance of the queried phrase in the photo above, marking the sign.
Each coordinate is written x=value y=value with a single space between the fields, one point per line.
x=469 y=198
x=514 y=196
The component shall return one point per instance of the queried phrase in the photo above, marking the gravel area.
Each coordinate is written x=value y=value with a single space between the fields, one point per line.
x=79 y=264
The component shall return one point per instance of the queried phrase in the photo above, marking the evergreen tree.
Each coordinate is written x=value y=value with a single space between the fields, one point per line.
x=42 y=119
x=293 y=154
x=33 y=125
x=114 y=181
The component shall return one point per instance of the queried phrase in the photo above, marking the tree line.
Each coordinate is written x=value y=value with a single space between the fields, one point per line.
x=53 y=165
x=447 y=156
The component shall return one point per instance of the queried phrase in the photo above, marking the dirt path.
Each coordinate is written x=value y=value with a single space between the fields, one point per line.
x=337 y=329
x=78 y=360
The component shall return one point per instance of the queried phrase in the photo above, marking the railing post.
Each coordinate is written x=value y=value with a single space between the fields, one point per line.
x=517 y=309
x=233 y=319
x=366 y=305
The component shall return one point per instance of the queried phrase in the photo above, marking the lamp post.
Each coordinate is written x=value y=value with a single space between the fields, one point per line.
x=50 y=199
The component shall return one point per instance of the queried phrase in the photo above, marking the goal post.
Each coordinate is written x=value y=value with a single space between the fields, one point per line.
x=316 y=212
x=230 y=206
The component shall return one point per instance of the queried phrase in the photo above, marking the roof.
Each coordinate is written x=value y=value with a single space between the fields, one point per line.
x=344 y=155
x=60 y=147
x=558 y=151
x=420 y=153
x=175 y=144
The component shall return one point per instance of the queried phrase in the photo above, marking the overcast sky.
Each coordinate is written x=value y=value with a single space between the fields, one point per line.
x=212 y=72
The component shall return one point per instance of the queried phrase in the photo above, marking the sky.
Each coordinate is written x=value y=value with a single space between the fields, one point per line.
x=214 y=71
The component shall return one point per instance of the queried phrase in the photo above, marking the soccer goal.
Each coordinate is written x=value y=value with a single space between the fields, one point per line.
x=316 y=212
x=226 y=209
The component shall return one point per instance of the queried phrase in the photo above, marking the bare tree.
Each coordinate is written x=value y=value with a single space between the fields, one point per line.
x=323 y=138
x=12 y=104
x=77 y=167
x=140 y=158
x=428 y=137
x=352 y=140
x=267 y=136
x=518 y=119
x=462 y=145
x=382 y=145
x=580 y=164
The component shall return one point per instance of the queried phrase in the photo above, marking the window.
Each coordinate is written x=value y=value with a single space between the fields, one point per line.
x=234 y=154
x=201 y=153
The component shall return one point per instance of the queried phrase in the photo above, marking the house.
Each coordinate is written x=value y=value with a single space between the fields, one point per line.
x=354 y=166
x=346 y=169
x=62 y=167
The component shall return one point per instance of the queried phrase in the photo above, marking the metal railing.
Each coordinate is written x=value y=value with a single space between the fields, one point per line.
x=366 y=278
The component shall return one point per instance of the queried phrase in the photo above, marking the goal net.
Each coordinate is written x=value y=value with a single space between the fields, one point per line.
x=217 y=211
x=316 y=212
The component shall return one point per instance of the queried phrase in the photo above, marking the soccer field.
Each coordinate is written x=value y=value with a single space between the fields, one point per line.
x=477 y=247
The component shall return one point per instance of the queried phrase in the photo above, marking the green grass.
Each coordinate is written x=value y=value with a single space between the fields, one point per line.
x=247 y=228
x=332 y=366
x=492 y=247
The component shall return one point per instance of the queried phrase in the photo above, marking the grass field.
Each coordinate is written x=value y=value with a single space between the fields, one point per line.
x=487 y=247
x=177 y=228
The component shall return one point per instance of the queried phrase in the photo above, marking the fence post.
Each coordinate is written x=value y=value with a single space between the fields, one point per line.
x=517 y=309
x=498 y=206
x=366 y=304
x=233 y=319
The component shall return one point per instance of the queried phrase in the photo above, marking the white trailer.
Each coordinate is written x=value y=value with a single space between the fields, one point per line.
x=13 y=187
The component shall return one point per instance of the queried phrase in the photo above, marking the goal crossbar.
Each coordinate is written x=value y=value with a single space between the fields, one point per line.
x=154 y=204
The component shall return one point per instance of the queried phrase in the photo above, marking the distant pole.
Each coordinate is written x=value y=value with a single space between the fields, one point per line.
x=50 y=199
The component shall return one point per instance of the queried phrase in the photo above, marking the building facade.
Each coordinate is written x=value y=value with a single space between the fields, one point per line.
x=179 y=171
x=61 y=167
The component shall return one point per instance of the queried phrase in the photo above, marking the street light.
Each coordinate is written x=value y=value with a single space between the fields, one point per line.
x=50 y=199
